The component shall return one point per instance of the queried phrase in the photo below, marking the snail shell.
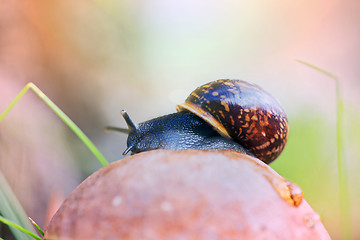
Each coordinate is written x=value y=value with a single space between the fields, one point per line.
x=243 y=112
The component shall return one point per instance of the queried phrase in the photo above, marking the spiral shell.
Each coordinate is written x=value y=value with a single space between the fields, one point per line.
x=243 y=112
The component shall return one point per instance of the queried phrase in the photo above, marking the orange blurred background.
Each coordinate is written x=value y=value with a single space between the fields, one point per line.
x=94 y=58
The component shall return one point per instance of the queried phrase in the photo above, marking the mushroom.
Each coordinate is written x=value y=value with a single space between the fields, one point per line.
x=191 y=194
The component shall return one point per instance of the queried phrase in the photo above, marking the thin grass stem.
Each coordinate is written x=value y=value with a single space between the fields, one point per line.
x=9 y=205
x=12 y=224
x=12 y=104
x=345 y=210
x=37 y=226
x=62 y=115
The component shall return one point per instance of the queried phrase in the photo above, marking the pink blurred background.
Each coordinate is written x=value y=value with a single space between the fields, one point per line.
x=94 y=58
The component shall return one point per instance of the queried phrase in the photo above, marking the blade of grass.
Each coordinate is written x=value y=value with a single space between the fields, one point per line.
x=37 y=226
x=345 y=210
x=9 y=205
x=12 y=209
x=12 y=224
x=62 y=115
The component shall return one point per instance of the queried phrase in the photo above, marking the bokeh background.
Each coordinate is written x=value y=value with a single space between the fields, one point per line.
x=94 y=58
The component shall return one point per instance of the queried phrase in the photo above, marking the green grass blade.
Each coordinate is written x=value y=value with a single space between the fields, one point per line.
x=345 y=210
x=71 y=124
x=12 y=209
x=9 y=205
x=37 y=226
x=62 y=115
x=12 y=104
x=12 y=224
x=323 y=71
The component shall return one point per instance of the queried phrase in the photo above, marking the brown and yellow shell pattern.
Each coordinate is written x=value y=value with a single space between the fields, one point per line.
x=244 y=112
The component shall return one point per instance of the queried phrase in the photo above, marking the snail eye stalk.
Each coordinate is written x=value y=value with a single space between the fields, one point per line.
x=131 y=125
x=122 y=130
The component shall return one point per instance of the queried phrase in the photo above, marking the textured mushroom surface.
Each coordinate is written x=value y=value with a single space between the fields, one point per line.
x=190 y=194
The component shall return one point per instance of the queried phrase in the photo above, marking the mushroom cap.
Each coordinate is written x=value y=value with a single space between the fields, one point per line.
x=190 y=194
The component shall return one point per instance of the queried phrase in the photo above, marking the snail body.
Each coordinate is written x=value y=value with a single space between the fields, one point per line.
x=178 y=131
x=220 y=115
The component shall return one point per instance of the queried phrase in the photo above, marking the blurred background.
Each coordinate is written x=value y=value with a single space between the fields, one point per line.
x=94 y=58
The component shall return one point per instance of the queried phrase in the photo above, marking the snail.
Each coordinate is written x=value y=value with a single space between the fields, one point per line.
x=226 y=114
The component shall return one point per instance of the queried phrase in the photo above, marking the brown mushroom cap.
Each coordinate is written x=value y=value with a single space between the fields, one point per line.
x=190 y=194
